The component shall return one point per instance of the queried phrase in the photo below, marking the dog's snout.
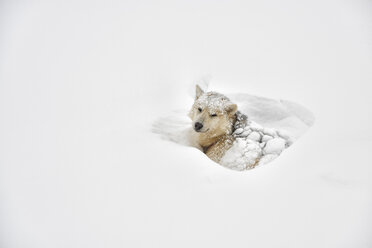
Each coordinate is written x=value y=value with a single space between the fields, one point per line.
x=198 y=126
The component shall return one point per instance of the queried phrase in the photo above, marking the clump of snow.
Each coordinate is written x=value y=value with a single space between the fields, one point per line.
x=253 y=145
x=275 y=146
x=243 y=154
x=214 y=101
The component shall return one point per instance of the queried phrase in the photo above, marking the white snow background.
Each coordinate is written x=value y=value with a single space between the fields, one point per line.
x=81 y=83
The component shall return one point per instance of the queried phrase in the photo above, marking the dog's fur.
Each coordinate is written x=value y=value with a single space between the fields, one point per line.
x=217 y=115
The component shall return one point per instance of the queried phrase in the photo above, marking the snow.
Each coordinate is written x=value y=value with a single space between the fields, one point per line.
x=275 y=146
x=290 y=118
x=243 y=155
x=81 y=84
x=213 y=101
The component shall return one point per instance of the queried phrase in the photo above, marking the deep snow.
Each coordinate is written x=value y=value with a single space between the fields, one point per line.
x=81 y=83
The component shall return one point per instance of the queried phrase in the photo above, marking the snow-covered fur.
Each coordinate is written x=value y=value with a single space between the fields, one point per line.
x=228 y=137
x=253 y=145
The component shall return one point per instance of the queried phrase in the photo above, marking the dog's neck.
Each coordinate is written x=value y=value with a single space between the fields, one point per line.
x=206 y=140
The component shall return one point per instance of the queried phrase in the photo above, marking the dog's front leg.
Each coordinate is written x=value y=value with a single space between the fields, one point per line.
x=217 y=150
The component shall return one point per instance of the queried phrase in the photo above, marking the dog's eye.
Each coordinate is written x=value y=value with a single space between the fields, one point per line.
x=213 y=115
x=200 y=110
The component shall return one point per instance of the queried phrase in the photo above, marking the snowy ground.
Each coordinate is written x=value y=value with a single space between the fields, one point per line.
x=81 y=84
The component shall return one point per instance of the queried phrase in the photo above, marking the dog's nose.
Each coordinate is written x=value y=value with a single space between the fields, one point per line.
x=198 y=126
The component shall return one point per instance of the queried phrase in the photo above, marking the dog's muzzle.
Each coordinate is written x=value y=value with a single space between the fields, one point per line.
x=198 y=126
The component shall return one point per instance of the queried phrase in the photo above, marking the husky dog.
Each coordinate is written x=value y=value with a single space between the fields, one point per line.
x=227 y=136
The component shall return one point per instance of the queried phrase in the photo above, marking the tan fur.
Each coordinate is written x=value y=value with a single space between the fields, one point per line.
x=215 y=138
x=217 y=150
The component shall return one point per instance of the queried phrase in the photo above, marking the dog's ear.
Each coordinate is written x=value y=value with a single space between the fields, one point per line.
x=231 y=109
x=198 y=92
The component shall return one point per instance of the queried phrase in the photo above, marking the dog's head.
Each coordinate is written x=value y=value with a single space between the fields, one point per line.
x=212 y=113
